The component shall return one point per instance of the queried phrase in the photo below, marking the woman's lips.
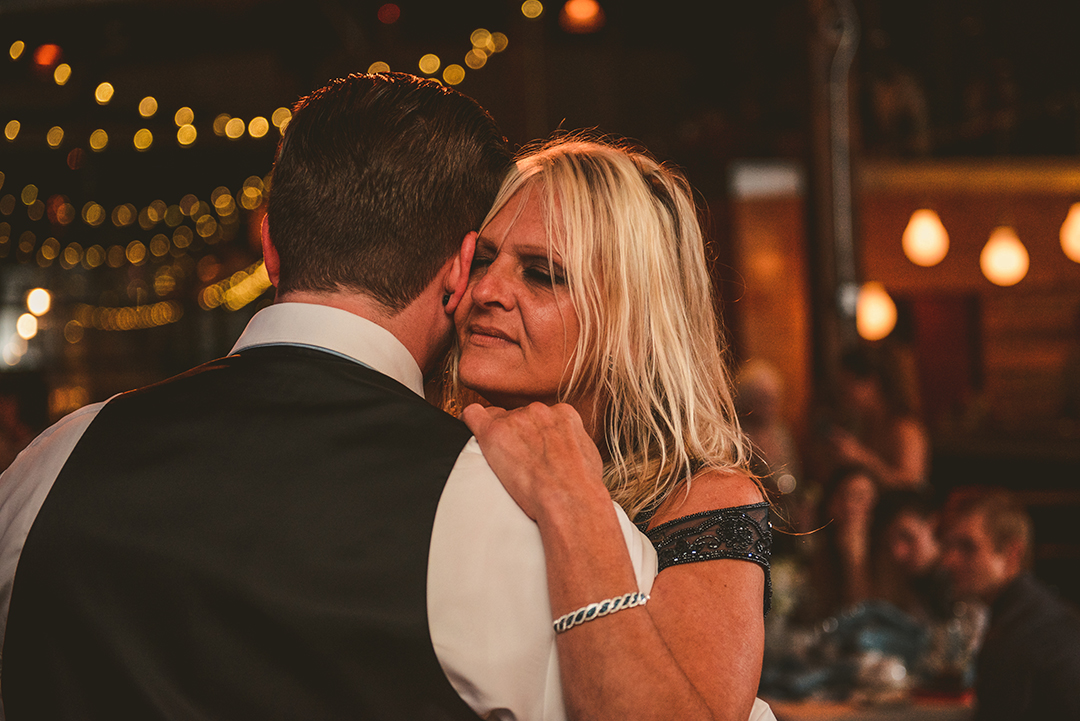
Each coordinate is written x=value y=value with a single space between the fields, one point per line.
x=486 y=336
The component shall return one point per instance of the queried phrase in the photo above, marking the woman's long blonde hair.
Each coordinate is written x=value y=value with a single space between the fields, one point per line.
x=650 y=349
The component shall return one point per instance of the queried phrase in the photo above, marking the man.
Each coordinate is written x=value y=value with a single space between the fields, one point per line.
x=268 y=535
x=1029 y=664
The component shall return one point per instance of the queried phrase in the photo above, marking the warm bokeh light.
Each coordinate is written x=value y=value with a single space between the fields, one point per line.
x=11 y=130
x=72 y=255
x=453 y=74
x=282 y=116
x=532 y=9
x=184 y=116
x=159 y=245
x=103 y=93
x=389 y=14
x=55 y=136
x=258 y=126
x=75 y=158
x=189 y=204
x=1004 y=259
x=16 y=50
x=219 y=124
x=135 y=252
x=93 y=214
x=26 y=326
x=182 y=237
x=7 y=204
x=29 y=194
x=875 y=312
x=38 y=301
x=1070 y=233
x=50 y=249
x=429 y=63
x=481 y=39
x=95 y=256
x=581 y=16
x=36 y=210
x=500 y=41
x=476 y=59
x=148 y=106
x=925 y=241
x=124 y=215
x=98 y=140
x=143 y=139
x=379 y=67
x=47 y=55
x=234 y=128
x=62 y=74
x=185 y=135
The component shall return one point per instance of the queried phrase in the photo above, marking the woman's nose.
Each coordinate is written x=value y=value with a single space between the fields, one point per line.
x=494 y=286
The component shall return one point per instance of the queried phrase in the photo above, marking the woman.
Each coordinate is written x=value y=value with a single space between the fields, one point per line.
x=589 y=310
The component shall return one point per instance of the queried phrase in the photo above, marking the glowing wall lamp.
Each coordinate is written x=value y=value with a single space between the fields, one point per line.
x=1004 y=259
x=1070 y=233
x=925 y=241
x=875 y=312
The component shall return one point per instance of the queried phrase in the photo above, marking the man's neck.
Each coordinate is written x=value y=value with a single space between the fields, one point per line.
x=416 y=326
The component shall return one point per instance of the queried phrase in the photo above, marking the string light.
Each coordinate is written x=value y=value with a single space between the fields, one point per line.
x=532 y=9
x=429 y=63
x=453 y=74
x=103 y=93
x=185 y=135
x=62 y=74
x=38 y=301
x=184 y=116
x=258 y=127
x=148 y=106
x=98 y=140
x=238 y=290
x=16 y=49
x=11 y=130
x=55 y=136
x=143 y=139
x=875 y=312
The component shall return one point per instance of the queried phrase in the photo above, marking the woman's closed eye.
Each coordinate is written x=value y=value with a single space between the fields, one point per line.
x=545 y=275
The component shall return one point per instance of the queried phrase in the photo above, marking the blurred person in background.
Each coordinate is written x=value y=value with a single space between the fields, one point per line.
x=876 y=425
x=1029 y=663
x=909 y=574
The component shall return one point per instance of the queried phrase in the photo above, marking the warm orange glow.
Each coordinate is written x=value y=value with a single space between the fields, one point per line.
x=47 y=55
x=104 y=93
x=581 y=16
x=925 y=241
x=429 y=63
x=38 y=301
x=148 y=106
x=453 y=74
x=376 y=67
x=62 y=74
x=1004 y=259
x=1070 y=233
x=532 y=9
x=875 y=312
x=389 y=14
x=16 y=49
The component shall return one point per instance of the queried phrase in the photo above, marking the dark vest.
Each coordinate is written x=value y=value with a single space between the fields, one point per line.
x=246 y=541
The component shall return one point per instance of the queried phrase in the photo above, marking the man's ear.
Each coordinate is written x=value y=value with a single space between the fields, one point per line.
x=270 y=254
x=457 y=280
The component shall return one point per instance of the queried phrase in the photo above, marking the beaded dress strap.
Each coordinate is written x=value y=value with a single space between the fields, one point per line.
x=741 y=533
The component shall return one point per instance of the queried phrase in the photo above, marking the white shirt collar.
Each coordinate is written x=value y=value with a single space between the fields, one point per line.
x=337 y=331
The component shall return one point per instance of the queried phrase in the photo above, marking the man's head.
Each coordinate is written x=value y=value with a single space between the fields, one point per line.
x=987 y=542
x=377 y=181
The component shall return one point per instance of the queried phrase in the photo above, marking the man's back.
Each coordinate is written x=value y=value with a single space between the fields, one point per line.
x=255 y=547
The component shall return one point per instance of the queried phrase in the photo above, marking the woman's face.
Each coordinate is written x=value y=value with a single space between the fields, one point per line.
x=516 y=325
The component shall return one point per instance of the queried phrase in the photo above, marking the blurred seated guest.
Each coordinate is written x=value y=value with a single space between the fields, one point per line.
x=877 y=426
x=1029 y=664
x=909 y=574
x=842 y=568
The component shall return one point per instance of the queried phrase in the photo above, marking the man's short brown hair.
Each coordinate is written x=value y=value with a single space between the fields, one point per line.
x=377 y=180
x=1004 y=517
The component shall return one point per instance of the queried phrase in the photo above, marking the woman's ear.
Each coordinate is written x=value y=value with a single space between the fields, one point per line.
x=270 y=254
x=457 y=280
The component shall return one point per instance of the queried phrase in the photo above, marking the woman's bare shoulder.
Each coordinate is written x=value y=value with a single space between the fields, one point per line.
x=710 y=490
